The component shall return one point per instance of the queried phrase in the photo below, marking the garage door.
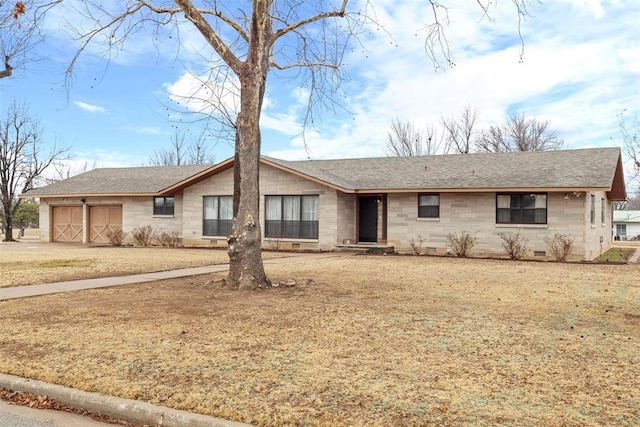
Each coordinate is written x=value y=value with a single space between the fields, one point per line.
x=67 y=224
x=102 y=220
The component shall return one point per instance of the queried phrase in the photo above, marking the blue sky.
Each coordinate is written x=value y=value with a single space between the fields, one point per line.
x=581 y=69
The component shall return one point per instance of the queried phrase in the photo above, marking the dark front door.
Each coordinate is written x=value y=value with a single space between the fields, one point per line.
x=368 y=219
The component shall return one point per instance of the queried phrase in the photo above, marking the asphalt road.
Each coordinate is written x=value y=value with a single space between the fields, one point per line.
x=22 y=416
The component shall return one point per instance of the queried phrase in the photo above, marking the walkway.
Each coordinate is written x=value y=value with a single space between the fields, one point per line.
x=104 y=282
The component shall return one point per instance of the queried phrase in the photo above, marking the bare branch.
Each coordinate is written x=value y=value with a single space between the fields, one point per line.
x=194 y=15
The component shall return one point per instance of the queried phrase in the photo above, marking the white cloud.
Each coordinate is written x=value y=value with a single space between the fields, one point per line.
x=89 y=107
x=578 y=73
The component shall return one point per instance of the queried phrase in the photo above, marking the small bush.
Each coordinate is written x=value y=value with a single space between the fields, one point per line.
x=560 y=246
x=461 y=244
x=169 y=239
x=417 y=245
x=515 y=244
x=116 y=237
x=142 y=235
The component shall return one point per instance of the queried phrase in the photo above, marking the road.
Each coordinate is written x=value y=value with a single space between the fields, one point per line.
x=22 y=416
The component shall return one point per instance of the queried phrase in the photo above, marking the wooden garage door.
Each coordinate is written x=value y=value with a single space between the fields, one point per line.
x=102 y=220
x=67 y=224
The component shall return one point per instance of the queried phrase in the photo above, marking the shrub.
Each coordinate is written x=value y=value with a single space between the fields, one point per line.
x=142 y=235
x=515 y=244
x=461 y=244
x=116 y=237
x=417 y=245
x=560 y=246
x=169 y=239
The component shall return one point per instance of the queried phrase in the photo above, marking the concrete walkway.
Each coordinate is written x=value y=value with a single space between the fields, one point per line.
x=635 y=257
x=105 y=282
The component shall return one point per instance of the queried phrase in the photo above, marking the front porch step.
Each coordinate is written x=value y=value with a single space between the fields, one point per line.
x=364 y=248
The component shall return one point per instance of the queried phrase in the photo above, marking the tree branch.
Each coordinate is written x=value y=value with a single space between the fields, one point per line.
x=292 y=27
x=210 y=35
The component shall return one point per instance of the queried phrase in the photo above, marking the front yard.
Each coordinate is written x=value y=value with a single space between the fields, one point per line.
x=359 y=340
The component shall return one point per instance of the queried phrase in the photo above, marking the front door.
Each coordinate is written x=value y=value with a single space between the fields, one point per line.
x=368 y=219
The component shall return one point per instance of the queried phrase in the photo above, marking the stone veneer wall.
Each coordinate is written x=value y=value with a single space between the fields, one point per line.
x=475 y=213
x=272 y=182
x=136 y=212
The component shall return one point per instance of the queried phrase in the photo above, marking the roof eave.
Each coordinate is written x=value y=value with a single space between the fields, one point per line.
x=200 y=176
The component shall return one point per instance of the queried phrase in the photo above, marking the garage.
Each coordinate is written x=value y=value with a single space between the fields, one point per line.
x=67 y=224
x=102 y=221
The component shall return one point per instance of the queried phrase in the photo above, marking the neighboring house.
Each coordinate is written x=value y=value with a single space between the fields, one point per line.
x=324 y=204
x=626 y=225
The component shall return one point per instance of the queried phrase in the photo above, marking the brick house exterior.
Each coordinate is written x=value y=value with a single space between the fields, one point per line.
x=324 y=204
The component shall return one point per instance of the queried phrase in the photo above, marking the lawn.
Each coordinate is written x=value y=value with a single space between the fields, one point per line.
x=32 y=264
x=359 y=340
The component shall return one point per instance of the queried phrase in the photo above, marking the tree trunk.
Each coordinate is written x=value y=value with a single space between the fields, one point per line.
x=246 y=270
x=8 y=227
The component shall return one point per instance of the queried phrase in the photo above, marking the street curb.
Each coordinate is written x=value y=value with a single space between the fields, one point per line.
x=123 y=409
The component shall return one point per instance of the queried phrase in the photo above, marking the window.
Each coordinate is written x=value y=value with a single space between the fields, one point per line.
x=218 y=215
x=592 y=211
x=603 y=215
x=293 y=217
x=429 y=206
x=163 y=205
x=621 y=231
x=521 y=208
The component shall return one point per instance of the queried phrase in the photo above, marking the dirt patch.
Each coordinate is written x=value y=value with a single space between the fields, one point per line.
x=363 y=340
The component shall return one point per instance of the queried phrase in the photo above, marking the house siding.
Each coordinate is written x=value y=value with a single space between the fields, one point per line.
x=136 y=212
x=272 y=182
x=475 y=213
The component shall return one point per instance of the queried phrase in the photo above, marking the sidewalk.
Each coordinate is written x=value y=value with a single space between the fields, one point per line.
x=104 y=282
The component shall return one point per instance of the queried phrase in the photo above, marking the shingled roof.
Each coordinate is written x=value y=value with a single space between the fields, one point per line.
x=119 y=181
x=583 y=169
x=598 y=168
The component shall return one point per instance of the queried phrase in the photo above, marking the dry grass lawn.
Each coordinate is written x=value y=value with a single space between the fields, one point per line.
x=360 y=340
x=32 y=264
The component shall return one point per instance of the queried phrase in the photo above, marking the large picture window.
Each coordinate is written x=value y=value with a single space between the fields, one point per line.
x=163 y=205
x=294 y=217
x=218 y=215
x=521 y=208
x=429 y=206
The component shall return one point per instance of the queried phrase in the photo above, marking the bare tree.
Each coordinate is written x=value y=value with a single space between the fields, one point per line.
x=459 y=132
x=251 y=39
x=22 y=161
x=405 y=140
x=184 y=152
x=630 y=133
x=519 y=134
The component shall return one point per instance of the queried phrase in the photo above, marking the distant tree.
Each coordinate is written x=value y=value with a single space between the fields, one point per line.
x=183 y=152
x=630 y=133
x=460 y=132
x=405 y=140
x=28 y=213
x=22 y=161
x=519 y=134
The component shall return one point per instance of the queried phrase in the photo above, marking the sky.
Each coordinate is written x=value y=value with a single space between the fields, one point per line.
x=580 y=71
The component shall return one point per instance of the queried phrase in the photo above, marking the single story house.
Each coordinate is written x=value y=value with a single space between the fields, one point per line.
x=324 y=204
x=626 y=225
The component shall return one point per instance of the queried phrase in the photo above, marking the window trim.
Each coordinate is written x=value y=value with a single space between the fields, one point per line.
x=437 y=207
x=164 y=207
x=592 y=210
x=300 y=223
x=521 y=209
